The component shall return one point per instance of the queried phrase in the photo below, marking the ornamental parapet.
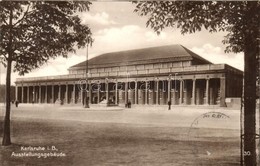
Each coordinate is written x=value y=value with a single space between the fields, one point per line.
x=101 y=73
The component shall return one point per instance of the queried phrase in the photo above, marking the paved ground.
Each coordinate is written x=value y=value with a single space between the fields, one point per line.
x=110 y=144
x=117 y=136
x=153 y=115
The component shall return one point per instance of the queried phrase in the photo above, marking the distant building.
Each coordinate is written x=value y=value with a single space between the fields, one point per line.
x=150 y=76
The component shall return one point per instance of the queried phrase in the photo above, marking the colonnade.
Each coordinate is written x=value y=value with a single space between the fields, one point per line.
x=179 y=92
x=40 y=93
x=194 y=91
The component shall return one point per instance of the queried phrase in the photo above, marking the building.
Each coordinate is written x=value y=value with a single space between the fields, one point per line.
x=150 y=76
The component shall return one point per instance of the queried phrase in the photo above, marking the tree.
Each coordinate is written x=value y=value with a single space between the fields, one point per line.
x=2 y=92
x=241 y=22
x=34 y=32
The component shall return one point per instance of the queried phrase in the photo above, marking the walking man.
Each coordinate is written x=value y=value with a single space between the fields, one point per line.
x=169 y=104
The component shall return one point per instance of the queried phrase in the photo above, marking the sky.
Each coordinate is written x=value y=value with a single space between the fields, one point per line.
x=116 y=27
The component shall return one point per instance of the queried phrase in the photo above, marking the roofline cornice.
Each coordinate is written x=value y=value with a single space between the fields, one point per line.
x=129 y=63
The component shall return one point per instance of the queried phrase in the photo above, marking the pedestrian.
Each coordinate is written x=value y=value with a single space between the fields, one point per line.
x=169 y=104
x=129 y=104
x=16 y=103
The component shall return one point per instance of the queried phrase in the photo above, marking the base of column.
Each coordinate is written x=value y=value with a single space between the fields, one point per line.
x=223 y=104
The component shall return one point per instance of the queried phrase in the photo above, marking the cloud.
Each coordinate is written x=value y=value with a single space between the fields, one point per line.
x=3 y=78
x=3 y=75
x=116 y=29
x=127 y=37
x=99 y=18
x=125 y=33
x=217 y=55
x=54 y=67
x=58 y=66
x=152 y=36
x=117 y=38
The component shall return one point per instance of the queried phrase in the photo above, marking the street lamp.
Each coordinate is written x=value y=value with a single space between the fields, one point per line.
x=89 y=41
x=86 y=96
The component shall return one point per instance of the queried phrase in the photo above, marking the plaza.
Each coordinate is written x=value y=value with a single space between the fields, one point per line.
x=152 y=135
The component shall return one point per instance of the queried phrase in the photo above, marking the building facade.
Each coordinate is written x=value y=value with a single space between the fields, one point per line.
x=151 y=76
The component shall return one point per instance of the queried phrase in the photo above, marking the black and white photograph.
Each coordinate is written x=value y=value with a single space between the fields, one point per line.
x=129 y=83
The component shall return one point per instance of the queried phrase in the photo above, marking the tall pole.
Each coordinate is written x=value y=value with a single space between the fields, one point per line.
x=86 y=96
x=258 y=98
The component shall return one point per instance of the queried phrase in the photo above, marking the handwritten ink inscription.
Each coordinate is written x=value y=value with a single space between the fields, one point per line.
x=215 y=115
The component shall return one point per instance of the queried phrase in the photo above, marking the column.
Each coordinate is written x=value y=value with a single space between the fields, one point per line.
x=59 y=93
x=116 y=93
x=98 y=94
x=169 y=90
x=185 y=92
x=67 y=94
x=126 y=92
x=211 y=93
x=181 y=91
x=22 y=95
x=136 y=95
x=222 y=91
x=74 y=93
x=34 y=94
x=16 y=92
x=85 y=101
x=207 y=91
x=90 y=94
x=40 y=94
x=193 y=92
x=52 y=93
x=107 y=92
x=28 y=94
x=146 y=93
x=81 y=96
x=46 y=94
x=157 y=92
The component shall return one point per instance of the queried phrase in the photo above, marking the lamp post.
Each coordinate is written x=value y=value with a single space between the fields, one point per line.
x=86 y=96
x=89 y=40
